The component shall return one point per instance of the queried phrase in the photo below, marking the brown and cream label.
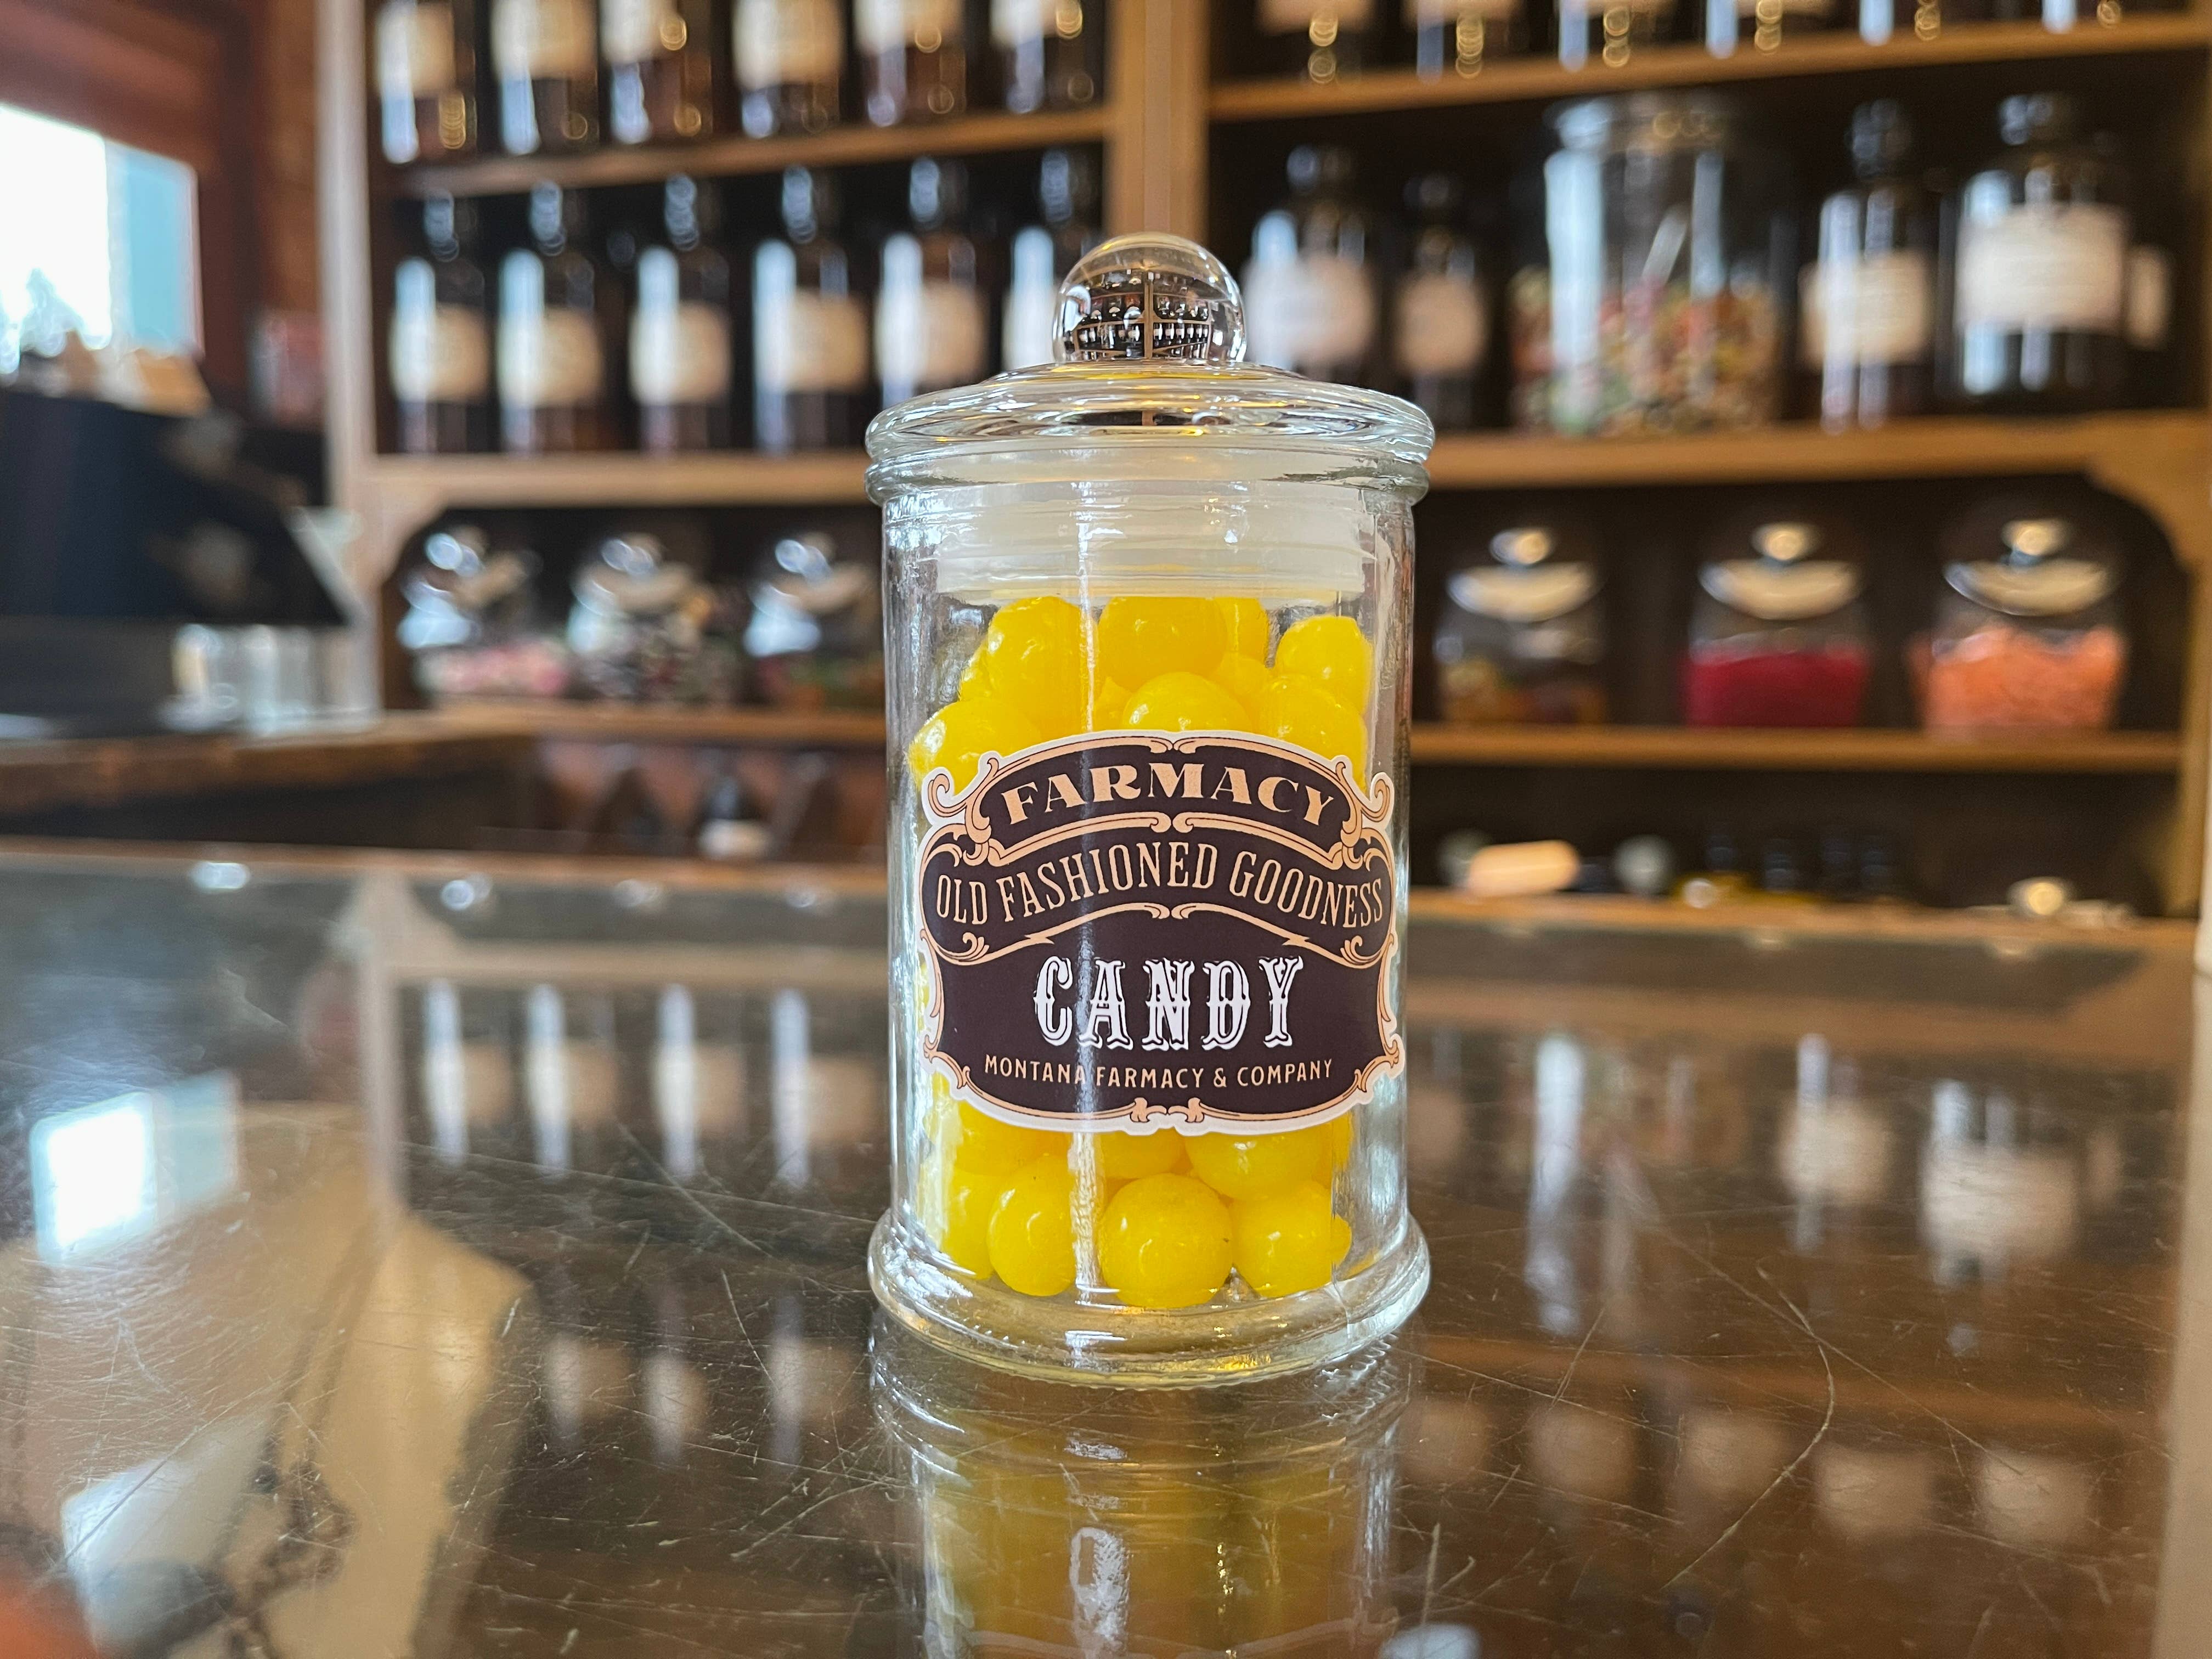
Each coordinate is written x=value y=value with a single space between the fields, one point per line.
x=1197 y=926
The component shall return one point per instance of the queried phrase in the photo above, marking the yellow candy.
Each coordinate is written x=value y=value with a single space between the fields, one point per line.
x=1331 y=650
x=988 y=1145
x=1295 y=709
x=1108 y=703
x=1289 y=1241
x=1123 y=1156
x=976 y=678
x=1245 y=678
x=1032 y=1231
x=1185 y=702
x=957 y=736
x=1164 y=1242
x=1246 y=623
x=1247 y=1166
x=958 y=1206
x=1039 y=663
x=1141 y=639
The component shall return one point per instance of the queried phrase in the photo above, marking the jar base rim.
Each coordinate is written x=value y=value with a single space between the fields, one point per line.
x=1194 y=1347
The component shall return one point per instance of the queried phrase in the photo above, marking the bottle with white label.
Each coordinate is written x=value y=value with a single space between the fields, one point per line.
x=1762 y=24
x=789 y=55
x=1613 y=31
x=1309 y=298
x=1051 y=52
x=811 y=363
x=663 y=72
x=931 y=324
x=2041 y=298
x=439 y=345
x=1457 y=37
x=1867 y=309
x=426 y=79
x=1067 y=192
x=1317 y=40
x=560 y=318
x=1440 y=323
x=545 y=56
x=914 y=58
x=679 y=331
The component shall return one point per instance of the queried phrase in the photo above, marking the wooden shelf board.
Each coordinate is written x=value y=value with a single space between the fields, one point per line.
x=1536 y=77
x=842 y=146
x=1929 y=447
x=614 y=723
x=830 y=477
x=1860 y=750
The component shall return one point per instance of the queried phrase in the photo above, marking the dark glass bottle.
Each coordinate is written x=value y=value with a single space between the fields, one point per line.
x=1051 y=52
x=440 y=343
x=1457 y=37
x=2042 y=269
x=545 y=55
x=679 y=332
x=1317 y=40
x=790 y=58
x=1614 y=30
x=809 y=328
x=1868 y=313
x=426 y=79
x=1440 y=332
x=930 y=316
x=1309 y=298
x=1067 y=195
x=560 y=318
x=1764 y=24
x=914 y=58
x=662 y=70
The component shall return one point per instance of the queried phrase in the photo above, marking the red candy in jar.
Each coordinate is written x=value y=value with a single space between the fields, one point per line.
x=1778 y=639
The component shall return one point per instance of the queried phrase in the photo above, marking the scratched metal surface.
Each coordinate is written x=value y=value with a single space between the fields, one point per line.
x=1793 y=1296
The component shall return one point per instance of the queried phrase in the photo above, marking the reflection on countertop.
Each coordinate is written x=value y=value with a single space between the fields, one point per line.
x=408 y=1259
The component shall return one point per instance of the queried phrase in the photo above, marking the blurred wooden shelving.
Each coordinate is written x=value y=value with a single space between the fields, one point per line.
x=625 y=479
x=1850 y=750
x=618 y=722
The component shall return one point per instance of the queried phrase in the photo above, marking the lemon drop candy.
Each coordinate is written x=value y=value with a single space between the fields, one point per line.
x=1032 y=1231
x=1184 y=703
x=957 y=737
x=1165 y=1242
x=1110 y=701
x=960 y=1204
x=1296 y=708
x=1246 y=1166
x=1038 y=654
x=1244 y=678
x=982 y=1142
x=1124 y=1157
x=1141 y=639
x=1246 y=627
x=1332 y=651
x=1289 y=1241
x=975 y=678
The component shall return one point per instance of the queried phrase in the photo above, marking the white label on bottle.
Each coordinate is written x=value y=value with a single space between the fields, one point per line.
x=1441 y=327
x=439 y=353
x=1031 y=325
x=542 y=39
x=1420 y=12
x=548 y=358
x=2058 y=265
x=893 y=25
x=1017 y=22
x=679 y=354
x=779 y=42
x=1876 y=309
x=1313 y=311
x=1299 y=16
x=414 y=48
x=633 y=31
x=803 y=341
x=2150 y=298
x=929 y=335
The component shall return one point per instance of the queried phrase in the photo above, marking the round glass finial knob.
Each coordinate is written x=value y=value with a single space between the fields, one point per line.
x=1151 y=297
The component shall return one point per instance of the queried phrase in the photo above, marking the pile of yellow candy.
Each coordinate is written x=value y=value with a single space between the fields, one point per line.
x=1164 y=664
x=1170 y=1215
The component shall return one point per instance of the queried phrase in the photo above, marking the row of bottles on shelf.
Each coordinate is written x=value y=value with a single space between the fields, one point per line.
x=1843 y=865
x=456 y=77
x=563 y=352
x=647 y=622
x=1325 y=40
x=2025 y=634
x=1653 y=281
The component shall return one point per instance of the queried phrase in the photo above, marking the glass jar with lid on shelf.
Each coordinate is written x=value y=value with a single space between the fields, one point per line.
x=1778 y=639
x=789 y=60
x=544 y=54
x=1652 y=300
x=816 y=636
x=647 y=627
x=913 y=59
x=1522 y=639
x=1310 y=304
x=1147 y=1079
x=664 y=69
x=2027 y=635
x=426 y=79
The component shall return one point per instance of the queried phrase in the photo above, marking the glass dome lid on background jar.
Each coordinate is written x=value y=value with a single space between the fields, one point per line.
x=1524 y=638
x=1778 y=639
x=1148 y=616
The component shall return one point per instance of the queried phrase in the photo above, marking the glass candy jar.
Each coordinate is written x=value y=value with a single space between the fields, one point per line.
x=1148 y=635
x=1522 y=641
x=1780 y=638
x=2027 y=633
x=645 y=628
x=1653 y=304
x=816 y=635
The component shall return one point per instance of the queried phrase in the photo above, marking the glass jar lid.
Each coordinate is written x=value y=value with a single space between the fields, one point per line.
x=1149 y=383
x=633 y=576
x=2044 y=571
x=1525 y=583
x=1785 y=582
